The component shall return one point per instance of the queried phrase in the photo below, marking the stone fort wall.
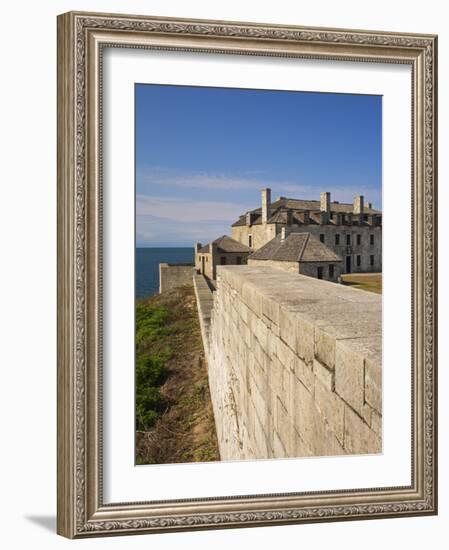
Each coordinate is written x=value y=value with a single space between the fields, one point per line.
x=173 y=275
x=294 y=365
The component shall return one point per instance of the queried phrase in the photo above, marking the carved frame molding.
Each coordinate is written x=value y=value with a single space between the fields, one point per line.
x=81 y=39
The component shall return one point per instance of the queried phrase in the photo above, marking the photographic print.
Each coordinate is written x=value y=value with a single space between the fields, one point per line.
x=258 y=274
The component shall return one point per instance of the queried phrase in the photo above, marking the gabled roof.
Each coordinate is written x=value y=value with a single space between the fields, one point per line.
x=296 y=247
x=226 y=244
x=280 y=207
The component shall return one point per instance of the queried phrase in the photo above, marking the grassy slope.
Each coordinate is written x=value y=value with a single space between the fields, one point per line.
x=185 y=429
x=372 y=283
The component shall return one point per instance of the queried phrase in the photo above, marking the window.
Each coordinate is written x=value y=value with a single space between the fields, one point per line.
x=239 y=260
x=250 y=241
x=331 y=271
x=348 y=239
x=371 y=240
x=371 y=260
x=223 y=260
x=358 y=260
x=337 y=238
x=322 y=237
x=319 y=272
x=359 y=239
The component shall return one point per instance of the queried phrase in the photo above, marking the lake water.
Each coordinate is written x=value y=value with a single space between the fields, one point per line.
x=147 y=266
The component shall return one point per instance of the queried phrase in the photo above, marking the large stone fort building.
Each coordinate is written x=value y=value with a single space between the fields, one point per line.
x=352 y=231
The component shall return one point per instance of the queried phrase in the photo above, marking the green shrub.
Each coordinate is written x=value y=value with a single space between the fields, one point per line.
x=150 y=322
x=150 y=371
x=145 y=418
x=151 y=359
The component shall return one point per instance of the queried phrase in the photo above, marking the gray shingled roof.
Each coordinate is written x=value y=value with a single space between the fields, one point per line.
x=300 y=204
x=226 y=244
x=296 y=247
x=280 y=206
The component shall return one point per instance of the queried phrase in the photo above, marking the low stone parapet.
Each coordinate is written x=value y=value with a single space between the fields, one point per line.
x=174 y=275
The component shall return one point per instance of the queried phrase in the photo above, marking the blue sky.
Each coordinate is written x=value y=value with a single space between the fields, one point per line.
x=204 y=154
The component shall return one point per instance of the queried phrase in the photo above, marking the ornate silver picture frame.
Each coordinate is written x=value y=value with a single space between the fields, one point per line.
x=82 y=40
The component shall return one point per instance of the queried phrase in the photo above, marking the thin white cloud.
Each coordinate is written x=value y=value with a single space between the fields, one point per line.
x=186 y=210
x=202 y=180
x=151 y=178
x=178 y=221
x=154 y=231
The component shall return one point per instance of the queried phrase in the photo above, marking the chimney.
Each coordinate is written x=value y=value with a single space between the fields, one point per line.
x=248 y=219
x=325 y=202
x=282 y=233
x=370 y=205
x=266 y=205
x=198 y=246
x=325 y=207
x=358 y=204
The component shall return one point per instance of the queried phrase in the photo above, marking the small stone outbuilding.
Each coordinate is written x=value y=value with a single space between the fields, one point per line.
x=299 y=253
x=222 y=251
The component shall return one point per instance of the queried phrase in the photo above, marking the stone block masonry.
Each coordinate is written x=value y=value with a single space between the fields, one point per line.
x=173 y=275
x=294 y=365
